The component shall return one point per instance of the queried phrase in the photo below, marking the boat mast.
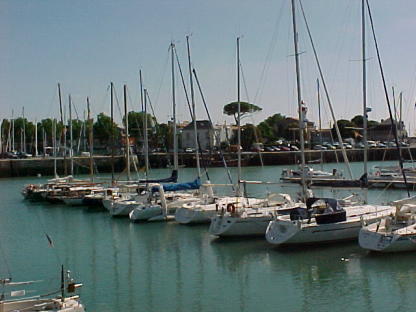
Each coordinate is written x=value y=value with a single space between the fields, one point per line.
x=112 y=133
x=44 y=141
x=238 y=118
x=365 y=111
x=90 y=143
x=320 y=120
x=146 y=139
x=175 y=137
x=54 y=146
x=198 y=166
x=84 y=137
x=300 y=114
x=1 y=138
x=126 y=127
x=12 y=130
x=344 y=154
x=63 y=125
x=23 y=148
x=400 y=110
x=70 y=136
x=36 y=138
x=144 y=121
x=394 y=128
x=319 y=109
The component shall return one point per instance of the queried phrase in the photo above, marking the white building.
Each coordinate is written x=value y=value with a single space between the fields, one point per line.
x=208 y=135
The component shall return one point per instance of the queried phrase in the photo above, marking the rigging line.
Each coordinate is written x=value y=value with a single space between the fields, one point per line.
x=162 y=79
x=48 y=237
x=118 y=103
x=135 y=119
x=266 y=65
x=252 y=118
x=184 y=85
x=216 y=134
x=344 y=154
x=75 y=109
x=150 y=103
x=387 y=98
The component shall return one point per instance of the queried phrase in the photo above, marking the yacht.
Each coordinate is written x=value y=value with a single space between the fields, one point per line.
x=324 y=220
x=393 y=233
x=248 y=216
x=16 y=300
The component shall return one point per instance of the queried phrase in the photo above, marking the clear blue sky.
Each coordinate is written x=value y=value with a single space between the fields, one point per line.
x=86 y=44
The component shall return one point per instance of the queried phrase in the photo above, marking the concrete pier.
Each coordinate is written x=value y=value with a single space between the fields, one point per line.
x=45 y=166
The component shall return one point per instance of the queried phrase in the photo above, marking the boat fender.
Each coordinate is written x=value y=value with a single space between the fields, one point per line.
x=231 y=208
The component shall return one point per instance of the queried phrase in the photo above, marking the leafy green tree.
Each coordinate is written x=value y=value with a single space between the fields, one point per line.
x=248 y=136
x=344 y=128
x=102 y=129
x=231 y=109
x=275 y=127
x=136 y=124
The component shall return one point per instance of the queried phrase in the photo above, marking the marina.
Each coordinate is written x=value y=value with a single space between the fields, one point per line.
x=143 y=266
x=183 y=199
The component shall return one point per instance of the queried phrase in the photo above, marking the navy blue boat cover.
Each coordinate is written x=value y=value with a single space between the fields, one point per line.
x=194 y=185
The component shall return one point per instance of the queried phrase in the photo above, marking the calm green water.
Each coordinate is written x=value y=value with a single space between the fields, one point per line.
x=169 y=267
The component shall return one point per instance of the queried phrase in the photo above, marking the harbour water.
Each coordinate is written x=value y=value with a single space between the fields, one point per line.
x=170 y=267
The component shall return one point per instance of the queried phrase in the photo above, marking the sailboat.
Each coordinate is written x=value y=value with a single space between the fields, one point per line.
x=174 y=199
x=243 y=216
x=46 y=302
x=325 y=219
x=393 y=233
x=396 y=232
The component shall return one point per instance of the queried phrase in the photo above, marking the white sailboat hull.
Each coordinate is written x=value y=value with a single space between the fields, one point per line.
x=227 y=226
x=122 y=208
x=51 y=305
x=191 y=215
x=387 y=242
x=145 y=213
x=283 y=231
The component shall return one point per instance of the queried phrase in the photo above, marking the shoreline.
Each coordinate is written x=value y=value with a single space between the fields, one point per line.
x=45 y=165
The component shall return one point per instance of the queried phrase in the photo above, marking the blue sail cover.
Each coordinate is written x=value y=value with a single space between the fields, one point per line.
x=194 y=185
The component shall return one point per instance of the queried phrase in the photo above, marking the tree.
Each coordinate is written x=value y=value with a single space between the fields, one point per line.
x=248 y=136
x=358 y=121
x=344 y=128
x=136 y=124
x=276 y=127
x=102 y=128
x=231 y=109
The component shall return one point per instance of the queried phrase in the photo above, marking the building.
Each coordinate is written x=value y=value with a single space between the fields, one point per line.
x=321 y=136
x=384 y=131
x=205 y=133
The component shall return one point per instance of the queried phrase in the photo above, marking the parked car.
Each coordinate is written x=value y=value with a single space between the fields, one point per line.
x=319 y=148
x=381 y=145
x=294 y=148
x=284 y=148
x=189 y=150
x=329 y=146
x=360 y=145
x=269 y=149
